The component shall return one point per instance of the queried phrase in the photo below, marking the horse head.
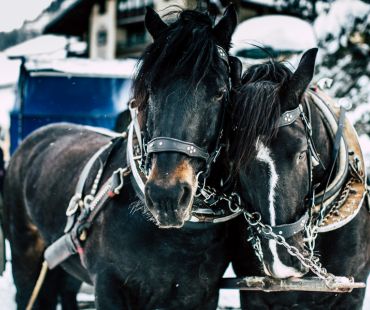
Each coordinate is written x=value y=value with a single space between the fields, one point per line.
x=181 y=91
x=272 y=155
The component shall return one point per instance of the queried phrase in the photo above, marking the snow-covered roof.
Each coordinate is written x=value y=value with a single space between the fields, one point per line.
x=263 y=2
x=46 y=45
x=82 y=67
x=279 y=32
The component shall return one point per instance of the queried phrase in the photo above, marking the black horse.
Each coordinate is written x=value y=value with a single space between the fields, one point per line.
x=181 y=91
x=276 y=155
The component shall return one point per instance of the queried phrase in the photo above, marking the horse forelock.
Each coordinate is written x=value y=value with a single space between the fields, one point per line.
x=257 y=109
x=187 y=48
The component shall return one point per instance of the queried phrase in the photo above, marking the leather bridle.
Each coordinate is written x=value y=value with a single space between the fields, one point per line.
x=286 y=119
x=169 y=144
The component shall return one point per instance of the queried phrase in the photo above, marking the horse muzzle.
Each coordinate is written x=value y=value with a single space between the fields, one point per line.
x=169 y=205
x=279 y=264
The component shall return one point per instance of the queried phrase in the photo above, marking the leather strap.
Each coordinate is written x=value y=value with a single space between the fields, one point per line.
x=289 y=117
x=166 y=144
x=224 y=56
x=289 y=230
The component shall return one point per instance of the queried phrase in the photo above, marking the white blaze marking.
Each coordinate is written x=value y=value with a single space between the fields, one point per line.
x=263 y=155
x=278 y=268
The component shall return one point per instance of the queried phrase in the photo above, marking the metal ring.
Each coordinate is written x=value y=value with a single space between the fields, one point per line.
x=88 y=200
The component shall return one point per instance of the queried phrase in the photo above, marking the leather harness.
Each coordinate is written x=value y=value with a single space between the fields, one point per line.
x=342 y=134
x=91 y=205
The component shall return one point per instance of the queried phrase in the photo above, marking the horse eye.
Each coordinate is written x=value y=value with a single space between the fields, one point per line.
x=220 y=95
x=302 y=155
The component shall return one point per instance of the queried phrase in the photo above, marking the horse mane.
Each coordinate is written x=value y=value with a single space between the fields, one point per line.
x=186 y=48
x=257 y=109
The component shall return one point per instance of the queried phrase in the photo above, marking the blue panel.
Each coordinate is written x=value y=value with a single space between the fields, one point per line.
x=31 y=123
x=48 y=95
x=90 y=101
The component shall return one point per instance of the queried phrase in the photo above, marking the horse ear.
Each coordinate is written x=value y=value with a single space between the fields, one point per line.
x=226 y=26
x=154 y=23
x=236 y=69
x=302 y=77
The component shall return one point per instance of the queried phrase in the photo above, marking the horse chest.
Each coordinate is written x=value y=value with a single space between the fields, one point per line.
x=158 y=264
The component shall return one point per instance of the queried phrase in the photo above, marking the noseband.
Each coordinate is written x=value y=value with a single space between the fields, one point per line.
x=169 y=144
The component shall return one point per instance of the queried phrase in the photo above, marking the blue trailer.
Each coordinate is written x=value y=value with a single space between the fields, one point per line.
x=82 y=91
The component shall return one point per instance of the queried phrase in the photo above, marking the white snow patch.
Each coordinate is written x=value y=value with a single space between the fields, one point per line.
x=359 y=113
x=50 y=46
x=341 y=13
x=7 y=100
x=365 y=146
x=85 y=67
x=9 y=70
x=279 y=32
x=229 y=298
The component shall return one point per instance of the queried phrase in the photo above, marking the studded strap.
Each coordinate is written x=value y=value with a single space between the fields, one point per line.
x=165 y=144
x=289 y=117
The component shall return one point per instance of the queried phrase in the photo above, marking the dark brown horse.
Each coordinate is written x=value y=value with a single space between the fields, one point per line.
x=284 y=153
x=182 y=91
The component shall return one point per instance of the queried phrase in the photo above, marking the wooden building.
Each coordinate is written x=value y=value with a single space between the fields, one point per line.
x=115 y=28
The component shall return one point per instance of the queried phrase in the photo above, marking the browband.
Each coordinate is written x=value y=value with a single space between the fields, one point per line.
x=224 y=56
x=289 y=117
x=166 y=144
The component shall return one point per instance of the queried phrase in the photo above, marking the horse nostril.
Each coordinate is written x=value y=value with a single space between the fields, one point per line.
x=185 y=195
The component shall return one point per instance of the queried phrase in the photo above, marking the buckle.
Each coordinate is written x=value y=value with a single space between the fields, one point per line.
x=73 y=205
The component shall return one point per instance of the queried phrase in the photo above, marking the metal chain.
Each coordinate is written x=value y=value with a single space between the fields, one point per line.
x=255 y=242
x=211 y=197
x=311 y=229
x=254 y=220
x=337 y=204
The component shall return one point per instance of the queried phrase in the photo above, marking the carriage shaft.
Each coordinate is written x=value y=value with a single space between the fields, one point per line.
x=310 y=284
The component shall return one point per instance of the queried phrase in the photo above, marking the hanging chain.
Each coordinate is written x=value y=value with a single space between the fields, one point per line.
x=256 y=226
x=211 y=197
x=254 y=220
x=337 y=204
